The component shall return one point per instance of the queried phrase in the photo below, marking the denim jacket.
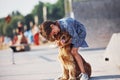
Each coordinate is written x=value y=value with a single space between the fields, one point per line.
x=75 y=29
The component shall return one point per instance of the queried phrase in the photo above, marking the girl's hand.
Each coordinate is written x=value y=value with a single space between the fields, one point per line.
x=59 y=43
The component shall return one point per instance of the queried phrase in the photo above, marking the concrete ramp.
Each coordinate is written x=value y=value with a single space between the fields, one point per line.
x=112 y=53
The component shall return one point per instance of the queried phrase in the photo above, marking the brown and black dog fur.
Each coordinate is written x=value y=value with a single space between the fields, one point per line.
x=70 y=67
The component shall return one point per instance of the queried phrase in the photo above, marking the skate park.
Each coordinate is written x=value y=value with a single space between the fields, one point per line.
x=102 y=21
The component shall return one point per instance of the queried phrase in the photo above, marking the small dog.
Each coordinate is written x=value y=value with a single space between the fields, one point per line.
x=70 y=67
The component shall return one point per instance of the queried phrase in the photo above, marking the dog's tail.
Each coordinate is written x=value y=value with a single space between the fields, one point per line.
x=88 y=69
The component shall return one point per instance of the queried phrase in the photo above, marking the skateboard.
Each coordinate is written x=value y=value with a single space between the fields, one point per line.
x=20 y=48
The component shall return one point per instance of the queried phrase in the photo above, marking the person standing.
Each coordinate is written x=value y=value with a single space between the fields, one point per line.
x=35 y=32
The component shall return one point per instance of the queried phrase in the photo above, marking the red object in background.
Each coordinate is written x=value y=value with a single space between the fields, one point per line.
x=1 y=39
x=14 y=39
x=8 y=19
x=36 y=39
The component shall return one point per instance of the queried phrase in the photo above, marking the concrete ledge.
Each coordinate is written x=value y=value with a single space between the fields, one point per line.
x=112 y=53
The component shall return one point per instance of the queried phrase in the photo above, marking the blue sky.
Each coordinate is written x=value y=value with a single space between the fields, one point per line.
x=24 y=6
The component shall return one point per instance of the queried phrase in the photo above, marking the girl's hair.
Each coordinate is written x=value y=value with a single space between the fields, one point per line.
x=45 y=28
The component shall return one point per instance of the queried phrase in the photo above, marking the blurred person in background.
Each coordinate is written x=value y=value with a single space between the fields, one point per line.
x=29 y=35
x=20 y=26
x=35 y=32
x=1 y=41
x=19 y=41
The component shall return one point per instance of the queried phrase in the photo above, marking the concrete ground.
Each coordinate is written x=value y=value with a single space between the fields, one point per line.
x=41 y=63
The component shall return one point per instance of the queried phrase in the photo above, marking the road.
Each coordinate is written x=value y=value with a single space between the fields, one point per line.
x=41 y=63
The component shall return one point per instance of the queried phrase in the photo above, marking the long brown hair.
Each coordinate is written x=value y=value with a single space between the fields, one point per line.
x=45 y=29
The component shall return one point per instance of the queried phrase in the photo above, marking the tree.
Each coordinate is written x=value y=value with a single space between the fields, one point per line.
x=55 y=11
x=15 y=13
x=28 y=18
x=38 y=10
x=7 y=28
x=1 y=26
x=8 y=31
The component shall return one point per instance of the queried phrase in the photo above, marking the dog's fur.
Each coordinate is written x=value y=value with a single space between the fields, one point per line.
x=70 y=67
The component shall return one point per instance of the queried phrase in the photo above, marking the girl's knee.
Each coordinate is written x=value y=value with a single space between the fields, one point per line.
x=74 y=52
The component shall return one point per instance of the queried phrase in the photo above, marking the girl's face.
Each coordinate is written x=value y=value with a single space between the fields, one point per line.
x=55 y=30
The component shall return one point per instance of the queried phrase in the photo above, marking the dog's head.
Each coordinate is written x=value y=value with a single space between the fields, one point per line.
x=63 y=39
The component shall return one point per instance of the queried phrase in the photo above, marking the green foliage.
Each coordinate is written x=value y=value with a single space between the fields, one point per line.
x=28 y=18
x=55 y=11
x=38 y=10
x=1 y=26
x=15 y=13
x=7 y=28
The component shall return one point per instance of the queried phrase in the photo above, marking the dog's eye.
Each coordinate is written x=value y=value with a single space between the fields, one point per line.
x=63 y=37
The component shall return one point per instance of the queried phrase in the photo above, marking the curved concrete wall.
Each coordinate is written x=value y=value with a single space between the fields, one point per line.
x=113 y=49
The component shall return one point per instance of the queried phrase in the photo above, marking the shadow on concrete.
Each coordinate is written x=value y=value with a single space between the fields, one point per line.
x=92 y=49
x=47 y=59
x=105 y=77
x=40 y=49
